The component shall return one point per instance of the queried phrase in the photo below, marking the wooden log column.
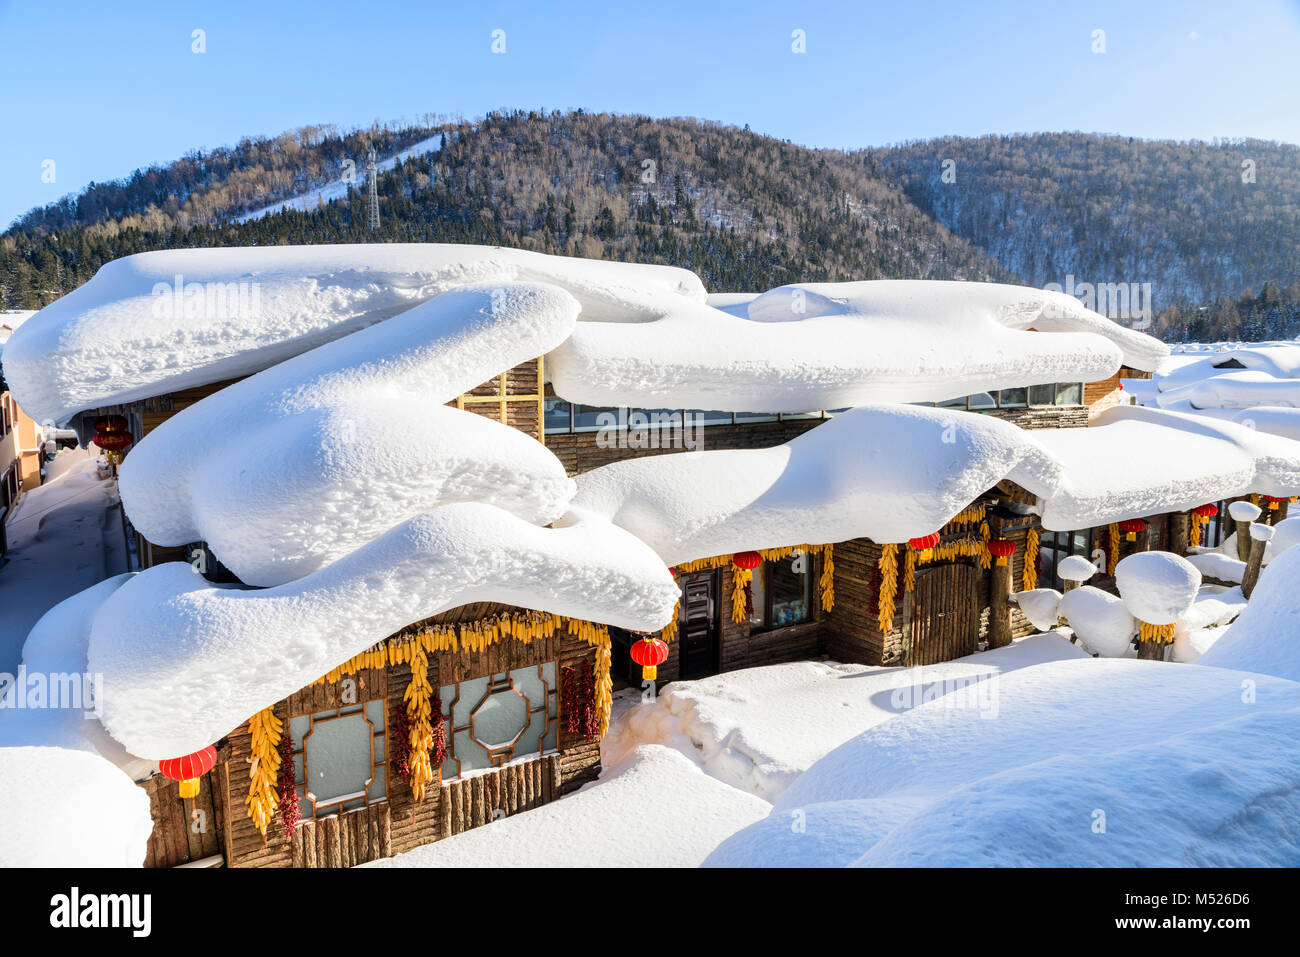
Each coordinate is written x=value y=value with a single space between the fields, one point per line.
x=1180 y=532
x=1151 y=651
x=1258 y=542
x=1000 y=605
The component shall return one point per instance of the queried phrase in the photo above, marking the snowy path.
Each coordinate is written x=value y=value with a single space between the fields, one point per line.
x=65 y=536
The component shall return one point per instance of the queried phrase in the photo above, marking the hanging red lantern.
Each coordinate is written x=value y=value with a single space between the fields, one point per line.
x=747 y=560
x=1002 y=549
x=113 y=441
x=649 y=653
x=1274 y=502
x=1131 y=527
x=924 y=543
x=189 y=769
x=1206 y=511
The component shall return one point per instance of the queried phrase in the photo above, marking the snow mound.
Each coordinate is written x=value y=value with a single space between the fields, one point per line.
x=1286 y=534
x=1265 y=638
x=1157 y=587
x=831 y=345
x=161 y=321
x=1225 y=568
x=185 y=661
x=681 y=809
x=1077 y=770
x=1100 y=621
x=299 y=465
x=1206 y=622
x=1041 y=606
x=68 y=808
x=758 y=729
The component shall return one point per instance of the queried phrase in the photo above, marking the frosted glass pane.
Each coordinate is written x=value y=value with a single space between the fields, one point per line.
x=298 y=728
x=530 y=740
x=472 y=757
x=471 y=692
x=338 y=758
x=549 y=743
x=498 y=722
x=529 y=684
x=297 y=767
x=377 y=786
x=375 y=712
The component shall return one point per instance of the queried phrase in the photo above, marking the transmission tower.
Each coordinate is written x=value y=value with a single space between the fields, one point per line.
x=372 y=174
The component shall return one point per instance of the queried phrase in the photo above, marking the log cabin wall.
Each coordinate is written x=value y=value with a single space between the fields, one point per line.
x=396 y=823
x=513 y=398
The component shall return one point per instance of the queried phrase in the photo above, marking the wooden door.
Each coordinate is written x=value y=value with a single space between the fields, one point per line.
x=698 y=626
x=945 y=614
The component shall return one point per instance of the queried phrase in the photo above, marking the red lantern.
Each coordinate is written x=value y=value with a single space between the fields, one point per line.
x=1131 y=527
x=1274 y=502
x=649 y=653
x=189 y=769
x=747 y=560
x=1206 y=511
x=1002 y=549
x=926 y=542
x=113 y=441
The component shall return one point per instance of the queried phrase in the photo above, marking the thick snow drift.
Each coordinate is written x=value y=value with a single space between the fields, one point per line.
x=1078 y=770
x=1266 y=636
x=161 y=321
x=295 y=467
x=1100 y=621
x=68 y=809
x=655 y=809
x=831 y=345
x=760 y=728
x=185 y=661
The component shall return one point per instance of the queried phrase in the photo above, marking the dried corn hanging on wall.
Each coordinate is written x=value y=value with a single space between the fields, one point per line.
x=1114 y=547
x=1030 y=577
x=827 y=581
x=888 y=587
x=263 y=794
x=1160 y=634
x=740 y=578
x=418 y=710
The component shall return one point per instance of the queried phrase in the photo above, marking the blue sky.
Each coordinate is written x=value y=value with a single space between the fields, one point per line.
x=103 y=88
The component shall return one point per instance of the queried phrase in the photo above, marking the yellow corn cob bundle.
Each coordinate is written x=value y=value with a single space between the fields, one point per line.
x=1030 y=577
x=669 y=631
x=740 y=577
x=604 y=687
x=909 y=569
x=827 y=581
x=888 y=587
x=1113 y=532
x=418 y=710
x=1160 y=634
x=1194 y=531
x=264 y=766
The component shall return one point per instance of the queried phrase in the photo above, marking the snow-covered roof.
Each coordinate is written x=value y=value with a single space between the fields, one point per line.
x=162 y=321
x=185 y=661
x=301 y=464
x=890 y=473
x=832 y=345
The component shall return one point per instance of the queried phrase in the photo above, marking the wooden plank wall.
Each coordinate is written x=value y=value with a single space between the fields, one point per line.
x=398 y=824
x=521 y=414
x=184 y=830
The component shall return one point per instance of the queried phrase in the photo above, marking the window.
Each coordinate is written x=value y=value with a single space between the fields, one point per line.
x=781 y=593
x=586 y=418
x=496 y=718
x=340 y=761
x=710 y=417
x=1069 y=393
x=1013 y=398
x=559 y=416
x=747 y=418
x=1053 y=547
x=981 y=401
x=1042 y=394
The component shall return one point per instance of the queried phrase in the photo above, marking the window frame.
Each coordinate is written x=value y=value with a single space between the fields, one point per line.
x=810 y=596
x=336 y=806
x=500 y=756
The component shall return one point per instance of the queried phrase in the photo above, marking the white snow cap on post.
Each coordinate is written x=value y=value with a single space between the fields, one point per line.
x=1100 y=621
x=1243 y=511
x=1261 y=533
x=1157 y=587
x=1076 y=568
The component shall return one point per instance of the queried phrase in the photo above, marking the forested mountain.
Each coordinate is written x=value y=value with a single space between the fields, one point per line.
x=1187 y=217
x=746 y=212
